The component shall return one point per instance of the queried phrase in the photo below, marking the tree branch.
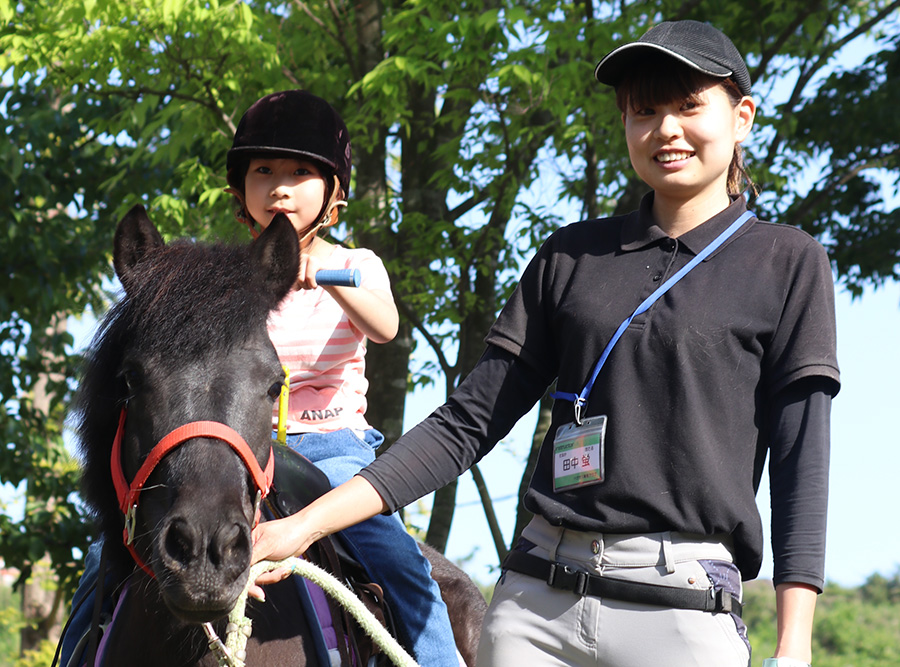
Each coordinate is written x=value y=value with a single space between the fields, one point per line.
x=489 y=513
x=432 y=341
x=818 y=63
x=810 y=203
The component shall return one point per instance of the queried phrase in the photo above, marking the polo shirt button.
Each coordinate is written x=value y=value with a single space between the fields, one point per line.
x=669 y=244
x=656 y=278
x=595 y=547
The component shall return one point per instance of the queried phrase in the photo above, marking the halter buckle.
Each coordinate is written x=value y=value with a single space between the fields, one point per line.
x=130 y=523
x=256 y=504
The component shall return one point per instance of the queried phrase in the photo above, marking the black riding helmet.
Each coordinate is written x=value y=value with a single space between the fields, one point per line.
x=295 y=124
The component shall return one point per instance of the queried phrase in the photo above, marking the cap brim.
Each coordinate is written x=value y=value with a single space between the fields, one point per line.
x=612 y=68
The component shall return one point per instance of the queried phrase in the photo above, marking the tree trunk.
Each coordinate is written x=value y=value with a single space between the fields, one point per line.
x=42 y=607
x=442 y=511
x=386 y=365
x=42 y=600
x=490 y=515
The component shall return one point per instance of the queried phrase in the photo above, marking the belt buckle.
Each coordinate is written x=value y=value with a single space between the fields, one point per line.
x=723 y=600
x=565 y=578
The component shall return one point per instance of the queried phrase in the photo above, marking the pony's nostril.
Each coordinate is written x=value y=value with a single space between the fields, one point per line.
x=180 y=543
x=230 y=545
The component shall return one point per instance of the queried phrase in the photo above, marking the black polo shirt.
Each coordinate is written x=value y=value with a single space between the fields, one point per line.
x=689 y=390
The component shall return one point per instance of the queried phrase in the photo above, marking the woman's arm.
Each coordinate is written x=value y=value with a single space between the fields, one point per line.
x=795 y=604
x=492 y=398
x=798 y=468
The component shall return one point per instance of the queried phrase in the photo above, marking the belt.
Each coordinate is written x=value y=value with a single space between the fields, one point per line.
x=567 y=578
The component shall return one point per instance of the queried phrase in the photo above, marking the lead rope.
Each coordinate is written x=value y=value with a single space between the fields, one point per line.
x=233 y=651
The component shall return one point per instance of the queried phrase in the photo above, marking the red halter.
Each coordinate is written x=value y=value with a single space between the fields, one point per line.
x=128 y=494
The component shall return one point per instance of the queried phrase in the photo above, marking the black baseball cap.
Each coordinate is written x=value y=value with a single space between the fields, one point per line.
x=297 y=124
x=698 y=45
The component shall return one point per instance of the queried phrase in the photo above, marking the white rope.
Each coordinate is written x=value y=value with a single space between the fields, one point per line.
x=233 y=652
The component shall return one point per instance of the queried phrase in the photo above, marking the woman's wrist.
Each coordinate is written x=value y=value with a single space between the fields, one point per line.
x=784 y=662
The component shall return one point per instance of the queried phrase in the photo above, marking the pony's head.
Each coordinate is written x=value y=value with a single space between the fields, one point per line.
x=187 y=343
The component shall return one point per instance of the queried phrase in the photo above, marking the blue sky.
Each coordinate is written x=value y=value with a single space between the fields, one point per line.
x=864 y=483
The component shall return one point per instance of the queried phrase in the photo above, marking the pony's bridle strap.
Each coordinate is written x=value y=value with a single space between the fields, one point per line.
x=128 y=494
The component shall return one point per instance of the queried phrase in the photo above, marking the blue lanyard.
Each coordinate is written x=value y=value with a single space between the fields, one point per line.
x=580 y=400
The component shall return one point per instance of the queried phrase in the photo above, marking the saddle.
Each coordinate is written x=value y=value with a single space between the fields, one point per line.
x=297 y=483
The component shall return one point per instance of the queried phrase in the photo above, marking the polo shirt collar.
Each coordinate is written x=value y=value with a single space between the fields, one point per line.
x=640 y=229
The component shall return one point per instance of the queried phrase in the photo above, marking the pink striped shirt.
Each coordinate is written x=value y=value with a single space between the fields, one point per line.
x=324 y=352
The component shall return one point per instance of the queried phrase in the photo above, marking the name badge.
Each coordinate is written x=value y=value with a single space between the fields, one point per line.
x=578 y=454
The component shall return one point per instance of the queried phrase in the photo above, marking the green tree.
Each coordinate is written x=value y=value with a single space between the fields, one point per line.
x=52 y=255
x=10 y=622
x=858 y=626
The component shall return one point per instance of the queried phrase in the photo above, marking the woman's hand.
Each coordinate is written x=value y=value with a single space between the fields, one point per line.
x=275 y=541
x=350 y=503
x=279 y=539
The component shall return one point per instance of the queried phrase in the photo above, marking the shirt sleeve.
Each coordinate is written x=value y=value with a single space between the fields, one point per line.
x=798 y=480
x=483 y=409
x=523 y=325
x=373 y=274
x=804 y=344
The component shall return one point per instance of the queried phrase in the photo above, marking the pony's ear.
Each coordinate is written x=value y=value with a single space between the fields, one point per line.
x=276 y=254
x=135 y=237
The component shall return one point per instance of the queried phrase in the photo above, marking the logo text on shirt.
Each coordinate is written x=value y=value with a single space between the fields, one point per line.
x=319 y=415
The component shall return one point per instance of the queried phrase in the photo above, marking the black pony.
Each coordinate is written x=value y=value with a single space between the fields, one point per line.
x=188 y=345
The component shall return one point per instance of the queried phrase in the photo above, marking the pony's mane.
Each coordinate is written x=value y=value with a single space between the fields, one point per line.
x=185 y=300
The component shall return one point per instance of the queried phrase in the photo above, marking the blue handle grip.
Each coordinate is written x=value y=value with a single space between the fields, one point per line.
x=339 y=277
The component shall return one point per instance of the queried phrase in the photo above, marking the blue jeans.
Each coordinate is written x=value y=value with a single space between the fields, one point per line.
x=389 y=554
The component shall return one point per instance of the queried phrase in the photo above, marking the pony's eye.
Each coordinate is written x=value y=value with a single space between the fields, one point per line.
x=274 y=391
x=132 y=379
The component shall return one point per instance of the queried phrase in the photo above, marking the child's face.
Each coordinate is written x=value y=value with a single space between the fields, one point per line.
x=682 y=149
x=284 y=185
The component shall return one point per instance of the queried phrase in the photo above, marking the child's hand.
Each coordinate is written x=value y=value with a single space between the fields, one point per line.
x=306 y=276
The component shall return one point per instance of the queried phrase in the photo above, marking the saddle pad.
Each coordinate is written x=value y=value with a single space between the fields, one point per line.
x=321 y=625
